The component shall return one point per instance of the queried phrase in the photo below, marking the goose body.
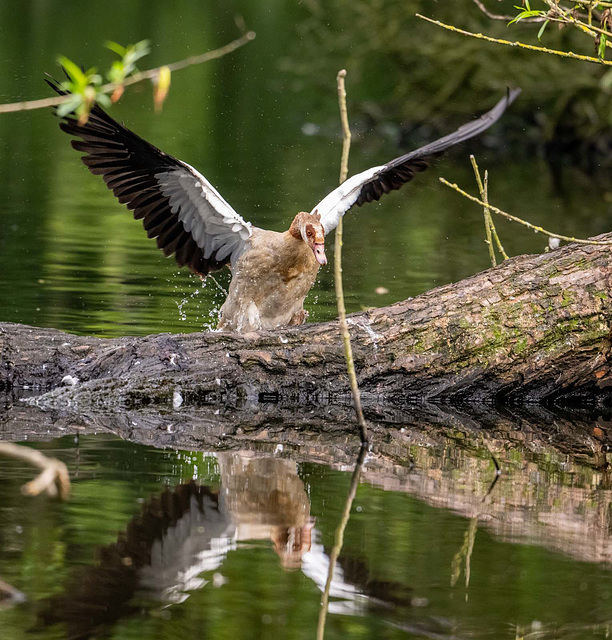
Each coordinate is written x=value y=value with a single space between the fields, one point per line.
x=269 y=284
x=272 y=272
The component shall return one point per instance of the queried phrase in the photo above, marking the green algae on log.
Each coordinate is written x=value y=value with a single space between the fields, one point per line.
x=536 y=328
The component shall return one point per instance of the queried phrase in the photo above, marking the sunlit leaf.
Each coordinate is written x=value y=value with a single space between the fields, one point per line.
x=526 y=13
x=137 y=51
x=116 y=48
x=601 y=50
x=542 y=28
x=162 y=85
x=73 y=70
x=121 y=69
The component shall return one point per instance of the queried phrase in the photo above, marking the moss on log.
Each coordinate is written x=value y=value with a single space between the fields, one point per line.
x=536 y=328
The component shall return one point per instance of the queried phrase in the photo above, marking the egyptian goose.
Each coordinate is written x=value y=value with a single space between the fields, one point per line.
x=271 y=272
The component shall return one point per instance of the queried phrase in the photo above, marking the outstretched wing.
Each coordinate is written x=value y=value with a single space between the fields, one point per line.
x=177 y=205
x=372 y=183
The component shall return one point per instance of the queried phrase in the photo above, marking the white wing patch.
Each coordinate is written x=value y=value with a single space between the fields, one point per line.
x=216 y=228
x=341 y=199
x=371 y=184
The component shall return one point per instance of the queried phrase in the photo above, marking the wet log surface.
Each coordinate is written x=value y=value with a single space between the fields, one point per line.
x=535 y=329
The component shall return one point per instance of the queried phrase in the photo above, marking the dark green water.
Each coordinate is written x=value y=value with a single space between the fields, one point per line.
x=71 y=257
x=200 y=545
x=262 y=125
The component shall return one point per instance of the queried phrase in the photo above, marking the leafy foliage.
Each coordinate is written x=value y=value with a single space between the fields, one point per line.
x=86 y=87
x=527 y=12
x=588 y=17
x=126 y=65
x=431 y=73
x=129 y=55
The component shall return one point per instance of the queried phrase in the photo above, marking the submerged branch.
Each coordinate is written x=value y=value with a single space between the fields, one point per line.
x=346 y=338
x=53 y=479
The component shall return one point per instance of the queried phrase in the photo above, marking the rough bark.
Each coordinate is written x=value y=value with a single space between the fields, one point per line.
x=535 y=329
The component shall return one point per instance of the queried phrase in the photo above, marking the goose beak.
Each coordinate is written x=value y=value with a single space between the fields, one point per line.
x=319 y=253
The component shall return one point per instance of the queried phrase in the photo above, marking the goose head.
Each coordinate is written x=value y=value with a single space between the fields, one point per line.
x=308 y=227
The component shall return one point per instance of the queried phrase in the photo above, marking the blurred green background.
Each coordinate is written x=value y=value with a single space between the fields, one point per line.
x=262 y=125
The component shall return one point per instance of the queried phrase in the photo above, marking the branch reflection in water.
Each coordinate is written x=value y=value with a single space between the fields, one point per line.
x=339 y=539
x=193 y=538
x=465 y=552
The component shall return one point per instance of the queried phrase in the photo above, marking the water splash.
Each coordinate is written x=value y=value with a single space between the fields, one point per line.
x=184 y=301
x=193 y=301
x=364 y=324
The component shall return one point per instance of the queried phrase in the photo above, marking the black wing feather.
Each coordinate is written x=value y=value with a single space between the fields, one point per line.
x=128 y=165
x=398 y=172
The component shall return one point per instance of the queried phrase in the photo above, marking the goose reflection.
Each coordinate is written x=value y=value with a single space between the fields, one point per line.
x=259 y=499
x=181 y=538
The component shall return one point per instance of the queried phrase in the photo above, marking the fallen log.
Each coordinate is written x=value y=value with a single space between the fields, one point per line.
x=537 y=328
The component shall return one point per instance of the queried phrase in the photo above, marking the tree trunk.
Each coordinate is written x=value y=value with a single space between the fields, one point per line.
x=537 y=328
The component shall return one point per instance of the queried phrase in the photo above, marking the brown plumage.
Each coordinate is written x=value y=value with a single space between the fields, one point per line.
x=273 y=276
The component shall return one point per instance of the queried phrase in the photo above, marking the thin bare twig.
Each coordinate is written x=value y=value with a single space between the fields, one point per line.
x=521 y=45
x=495 y=16
x=149 y=74
x=346 y=338
x=491 y=231
x=500 y=247
x=339 y=539
x=54 y=479
x=533 y=227
x=487 y=214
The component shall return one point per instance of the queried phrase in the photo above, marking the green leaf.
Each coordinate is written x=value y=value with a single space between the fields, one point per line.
x=601 y=51
x=68 y=107
x=120 y=69
x=526 y=14
x=73 y=70
x=542 y=28
x=93 y=77
x=116 y=48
